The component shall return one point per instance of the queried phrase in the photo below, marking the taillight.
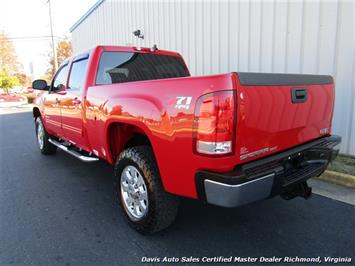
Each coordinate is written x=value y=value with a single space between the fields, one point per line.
x=214 y=123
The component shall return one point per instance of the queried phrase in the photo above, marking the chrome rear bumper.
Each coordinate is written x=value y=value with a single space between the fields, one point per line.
x=235 y=195
x=277 y=174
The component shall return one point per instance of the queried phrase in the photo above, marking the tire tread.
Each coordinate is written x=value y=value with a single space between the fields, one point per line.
x=48 y=148
x=164 y=206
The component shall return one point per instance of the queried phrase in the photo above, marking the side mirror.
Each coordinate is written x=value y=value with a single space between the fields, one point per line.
x=40 y=84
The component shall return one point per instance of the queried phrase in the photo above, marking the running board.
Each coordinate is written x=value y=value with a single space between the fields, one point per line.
x=83 y=158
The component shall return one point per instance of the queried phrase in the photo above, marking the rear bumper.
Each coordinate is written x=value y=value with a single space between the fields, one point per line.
x=269 y=176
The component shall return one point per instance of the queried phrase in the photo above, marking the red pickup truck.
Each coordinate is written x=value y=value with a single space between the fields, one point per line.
x=228 y=139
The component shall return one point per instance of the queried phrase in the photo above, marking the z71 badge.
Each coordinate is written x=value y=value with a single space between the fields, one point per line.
x=183 y=102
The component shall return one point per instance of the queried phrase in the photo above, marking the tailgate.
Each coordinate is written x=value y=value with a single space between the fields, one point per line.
x=280 y=111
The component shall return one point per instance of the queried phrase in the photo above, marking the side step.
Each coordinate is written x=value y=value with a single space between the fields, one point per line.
x=83 y=158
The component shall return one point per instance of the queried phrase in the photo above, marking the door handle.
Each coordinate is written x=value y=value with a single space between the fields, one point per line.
x=76 y=101
x=299 y=95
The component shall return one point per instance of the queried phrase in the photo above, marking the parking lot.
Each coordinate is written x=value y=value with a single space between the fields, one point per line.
x=56 y=210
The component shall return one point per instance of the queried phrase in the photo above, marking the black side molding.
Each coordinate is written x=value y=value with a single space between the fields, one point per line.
x=81 y=57
x=275 y=79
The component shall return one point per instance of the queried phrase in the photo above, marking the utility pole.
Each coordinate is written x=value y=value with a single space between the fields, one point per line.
x=52 y=36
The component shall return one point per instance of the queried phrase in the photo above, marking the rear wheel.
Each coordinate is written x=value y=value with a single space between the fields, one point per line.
x=142 y=198
x=43 y=138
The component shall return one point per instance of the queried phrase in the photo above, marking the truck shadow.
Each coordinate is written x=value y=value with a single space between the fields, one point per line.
x=273 y=227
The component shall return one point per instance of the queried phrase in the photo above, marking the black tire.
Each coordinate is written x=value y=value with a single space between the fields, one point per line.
x=47 y=148
x=162 y=207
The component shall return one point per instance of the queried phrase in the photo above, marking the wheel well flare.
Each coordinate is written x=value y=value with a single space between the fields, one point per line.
x=122 y=136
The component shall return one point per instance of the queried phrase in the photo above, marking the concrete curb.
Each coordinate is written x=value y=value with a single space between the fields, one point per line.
x=16 y=109
x=338 y=178
x=13 y=104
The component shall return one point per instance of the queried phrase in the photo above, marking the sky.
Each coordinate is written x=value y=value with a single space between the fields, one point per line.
x=25 y=20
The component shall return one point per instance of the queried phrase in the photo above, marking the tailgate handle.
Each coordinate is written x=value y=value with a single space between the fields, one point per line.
x=299 y=95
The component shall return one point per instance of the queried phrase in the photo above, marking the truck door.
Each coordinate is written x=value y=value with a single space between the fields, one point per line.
x=52 y=113
x=72 y=105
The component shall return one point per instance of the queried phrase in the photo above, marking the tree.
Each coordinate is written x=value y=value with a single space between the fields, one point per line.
x=23 y=79
x=8 y=58
x=9 y=66
x=64 y=50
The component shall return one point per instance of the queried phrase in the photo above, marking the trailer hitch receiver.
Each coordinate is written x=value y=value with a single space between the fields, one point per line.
x=297 y=190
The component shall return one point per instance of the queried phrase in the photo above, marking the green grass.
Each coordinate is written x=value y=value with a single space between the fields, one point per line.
x=343 y=164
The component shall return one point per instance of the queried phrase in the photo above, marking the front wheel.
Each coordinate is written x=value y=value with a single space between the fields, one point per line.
x=139 y=190
x=43 y=138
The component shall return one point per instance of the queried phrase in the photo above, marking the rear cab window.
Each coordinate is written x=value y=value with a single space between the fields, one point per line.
x=119 y=67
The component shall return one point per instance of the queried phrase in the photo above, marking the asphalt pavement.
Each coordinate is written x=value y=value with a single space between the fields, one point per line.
x=56 y=210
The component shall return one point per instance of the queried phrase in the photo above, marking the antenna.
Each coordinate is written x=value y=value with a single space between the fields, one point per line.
x=138 y=33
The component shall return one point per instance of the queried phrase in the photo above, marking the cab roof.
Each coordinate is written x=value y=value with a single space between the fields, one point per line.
x=114 y=48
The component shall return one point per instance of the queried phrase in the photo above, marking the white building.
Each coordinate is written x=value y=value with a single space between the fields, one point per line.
x=223 y=36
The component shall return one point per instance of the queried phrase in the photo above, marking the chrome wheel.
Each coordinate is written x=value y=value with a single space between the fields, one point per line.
x=134 y=193
x=40 y=134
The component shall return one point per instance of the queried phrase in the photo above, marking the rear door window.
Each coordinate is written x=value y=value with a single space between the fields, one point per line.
x=77 y=74
x=118 y=67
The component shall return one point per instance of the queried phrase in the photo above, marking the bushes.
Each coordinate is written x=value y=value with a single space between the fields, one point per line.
x=30 y=97
x=7 y=81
